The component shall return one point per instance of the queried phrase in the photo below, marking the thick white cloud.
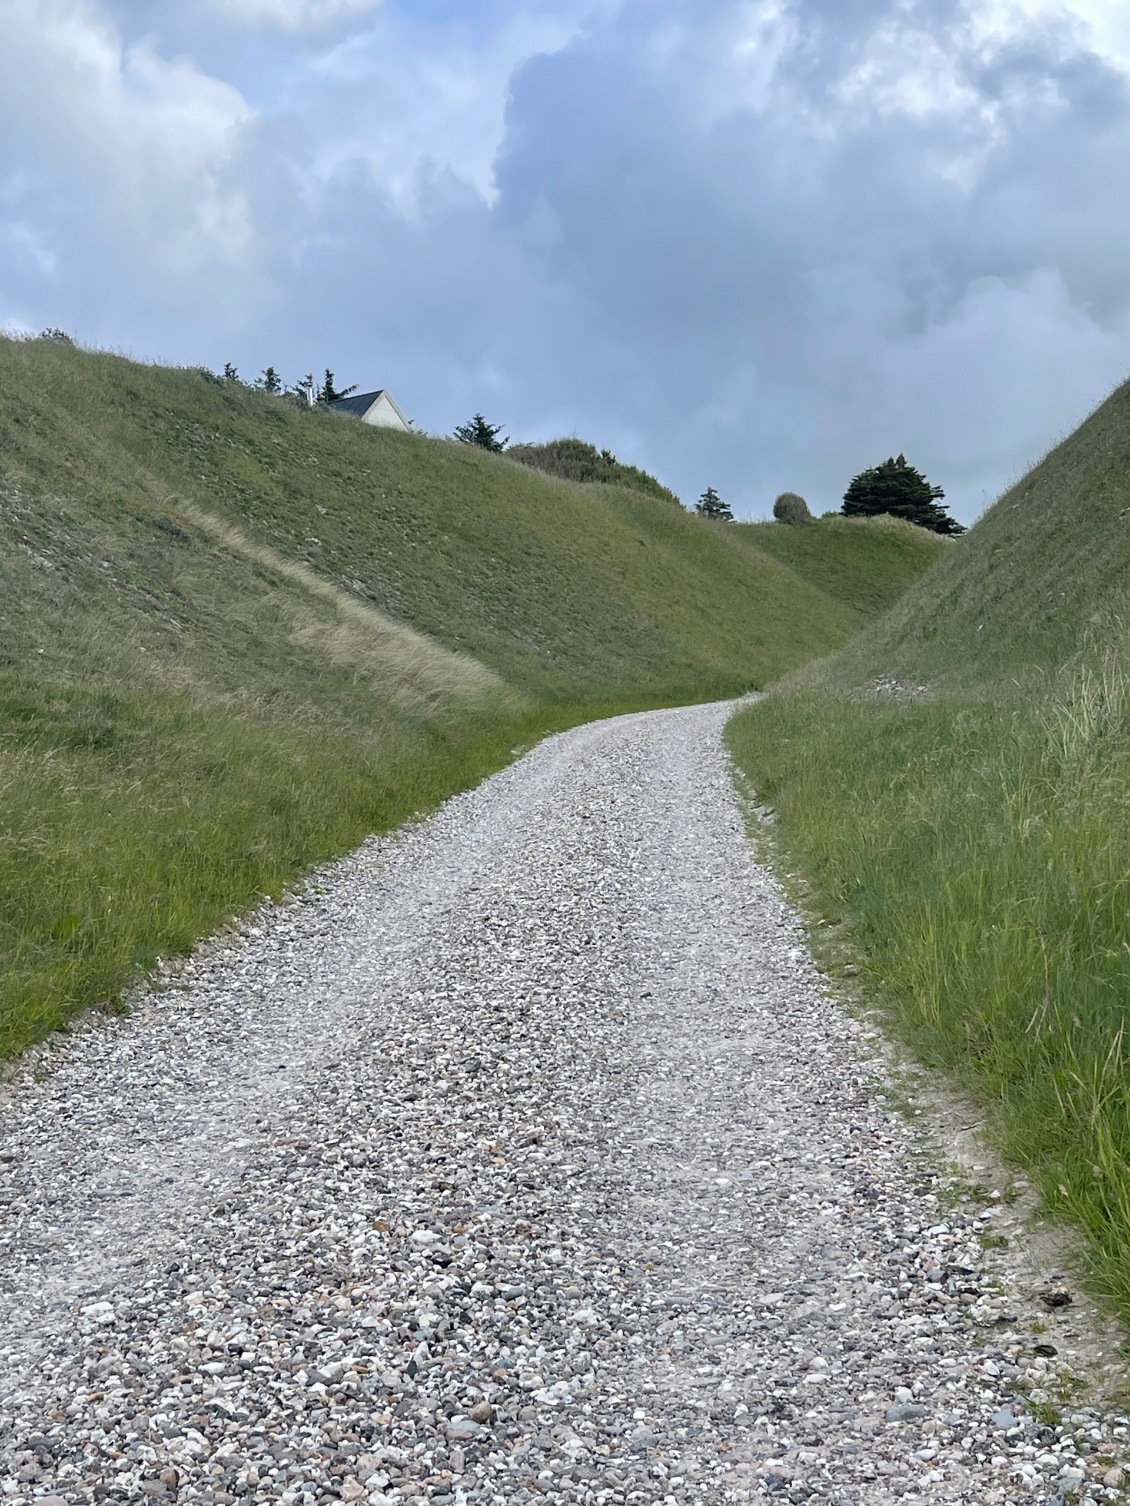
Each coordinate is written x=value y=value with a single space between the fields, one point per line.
x=755 y=243
x=410 y=96
x=1101 y=25
x=68 y=80
x=117 y=155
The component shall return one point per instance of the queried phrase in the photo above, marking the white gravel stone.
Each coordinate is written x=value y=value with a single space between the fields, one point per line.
x=523 y=1158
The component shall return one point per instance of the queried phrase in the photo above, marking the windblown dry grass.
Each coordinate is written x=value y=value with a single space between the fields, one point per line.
x=415 y=672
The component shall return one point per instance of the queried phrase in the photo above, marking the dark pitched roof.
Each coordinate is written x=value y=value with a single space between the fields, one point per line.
x=358 y=404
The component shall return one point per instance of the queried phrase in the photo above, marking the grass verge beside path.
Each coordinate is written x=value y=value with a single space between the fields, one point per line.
x=976 y=854
x=134 y=825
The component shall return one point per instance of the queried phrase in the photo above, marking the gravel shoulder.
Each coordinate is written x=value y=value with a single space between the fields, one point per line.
x=524 y=1157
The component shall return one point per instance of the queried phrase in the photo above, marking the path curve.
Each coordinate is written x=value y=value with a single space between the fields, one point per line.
x=523 y=1158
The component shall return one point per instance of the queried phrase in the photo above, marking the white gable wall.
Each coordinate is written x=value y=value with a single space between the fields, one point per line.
x=384 y=415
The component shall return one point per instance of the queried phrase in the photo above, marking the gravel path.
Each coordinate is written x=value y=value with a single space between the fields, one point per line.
x=523 y=1158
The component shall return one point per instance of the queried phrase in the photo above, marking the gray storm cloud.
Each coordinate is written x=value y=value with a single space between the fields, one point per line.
x=899 y=236
x=753 y=245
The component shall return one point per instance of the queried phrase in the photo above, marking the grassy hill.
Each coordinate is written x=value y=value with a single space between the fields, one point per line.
x=954 y=788
x=1015 y=596
x=236 y=637
x=865 y=563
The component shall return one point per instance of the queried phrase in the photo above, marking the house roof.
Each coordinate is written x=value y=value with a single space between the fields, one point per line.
x=359 y=403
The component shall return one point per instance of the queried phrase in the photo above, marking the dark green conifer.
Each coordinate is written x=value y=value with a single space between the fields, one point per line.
x=895 y=487
x=328 y=393
x=710 y=505
x=477 y=431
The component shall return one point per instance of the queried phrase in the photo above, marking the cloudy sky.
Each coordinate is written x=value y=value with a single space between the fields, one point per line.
x=752 y=243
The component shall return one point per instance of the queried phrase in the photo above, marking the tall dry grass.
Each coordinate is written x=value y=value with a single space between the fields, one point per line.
x=417 y=673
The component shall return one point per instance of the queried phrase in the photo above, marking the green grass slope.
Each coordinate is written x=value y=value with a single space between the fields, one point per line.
x=566 y=591
x=865 y=563
x=1014 y=597
x=235 y=638
x=970 y=845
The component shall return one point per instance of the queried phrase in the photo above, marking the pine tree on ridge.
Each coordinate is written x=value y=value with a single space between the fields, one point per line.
x=895 y=487
x=710 y=505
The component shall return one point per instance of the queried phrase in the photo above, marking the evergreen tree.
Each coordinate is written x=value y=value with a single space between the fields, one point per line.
x=897 y=488
x=270 y=381
x=328 y=393
x=230 y=373
x=478 y=432
x=710 y=505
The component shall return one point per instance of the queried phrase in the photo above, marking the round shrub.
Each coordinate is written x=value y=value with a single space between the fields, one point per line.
x=790 y=507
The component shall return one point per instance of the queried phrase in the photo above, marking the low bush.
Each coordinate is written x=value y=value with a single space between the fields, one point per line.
x=790 y=507
x=576 y=460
